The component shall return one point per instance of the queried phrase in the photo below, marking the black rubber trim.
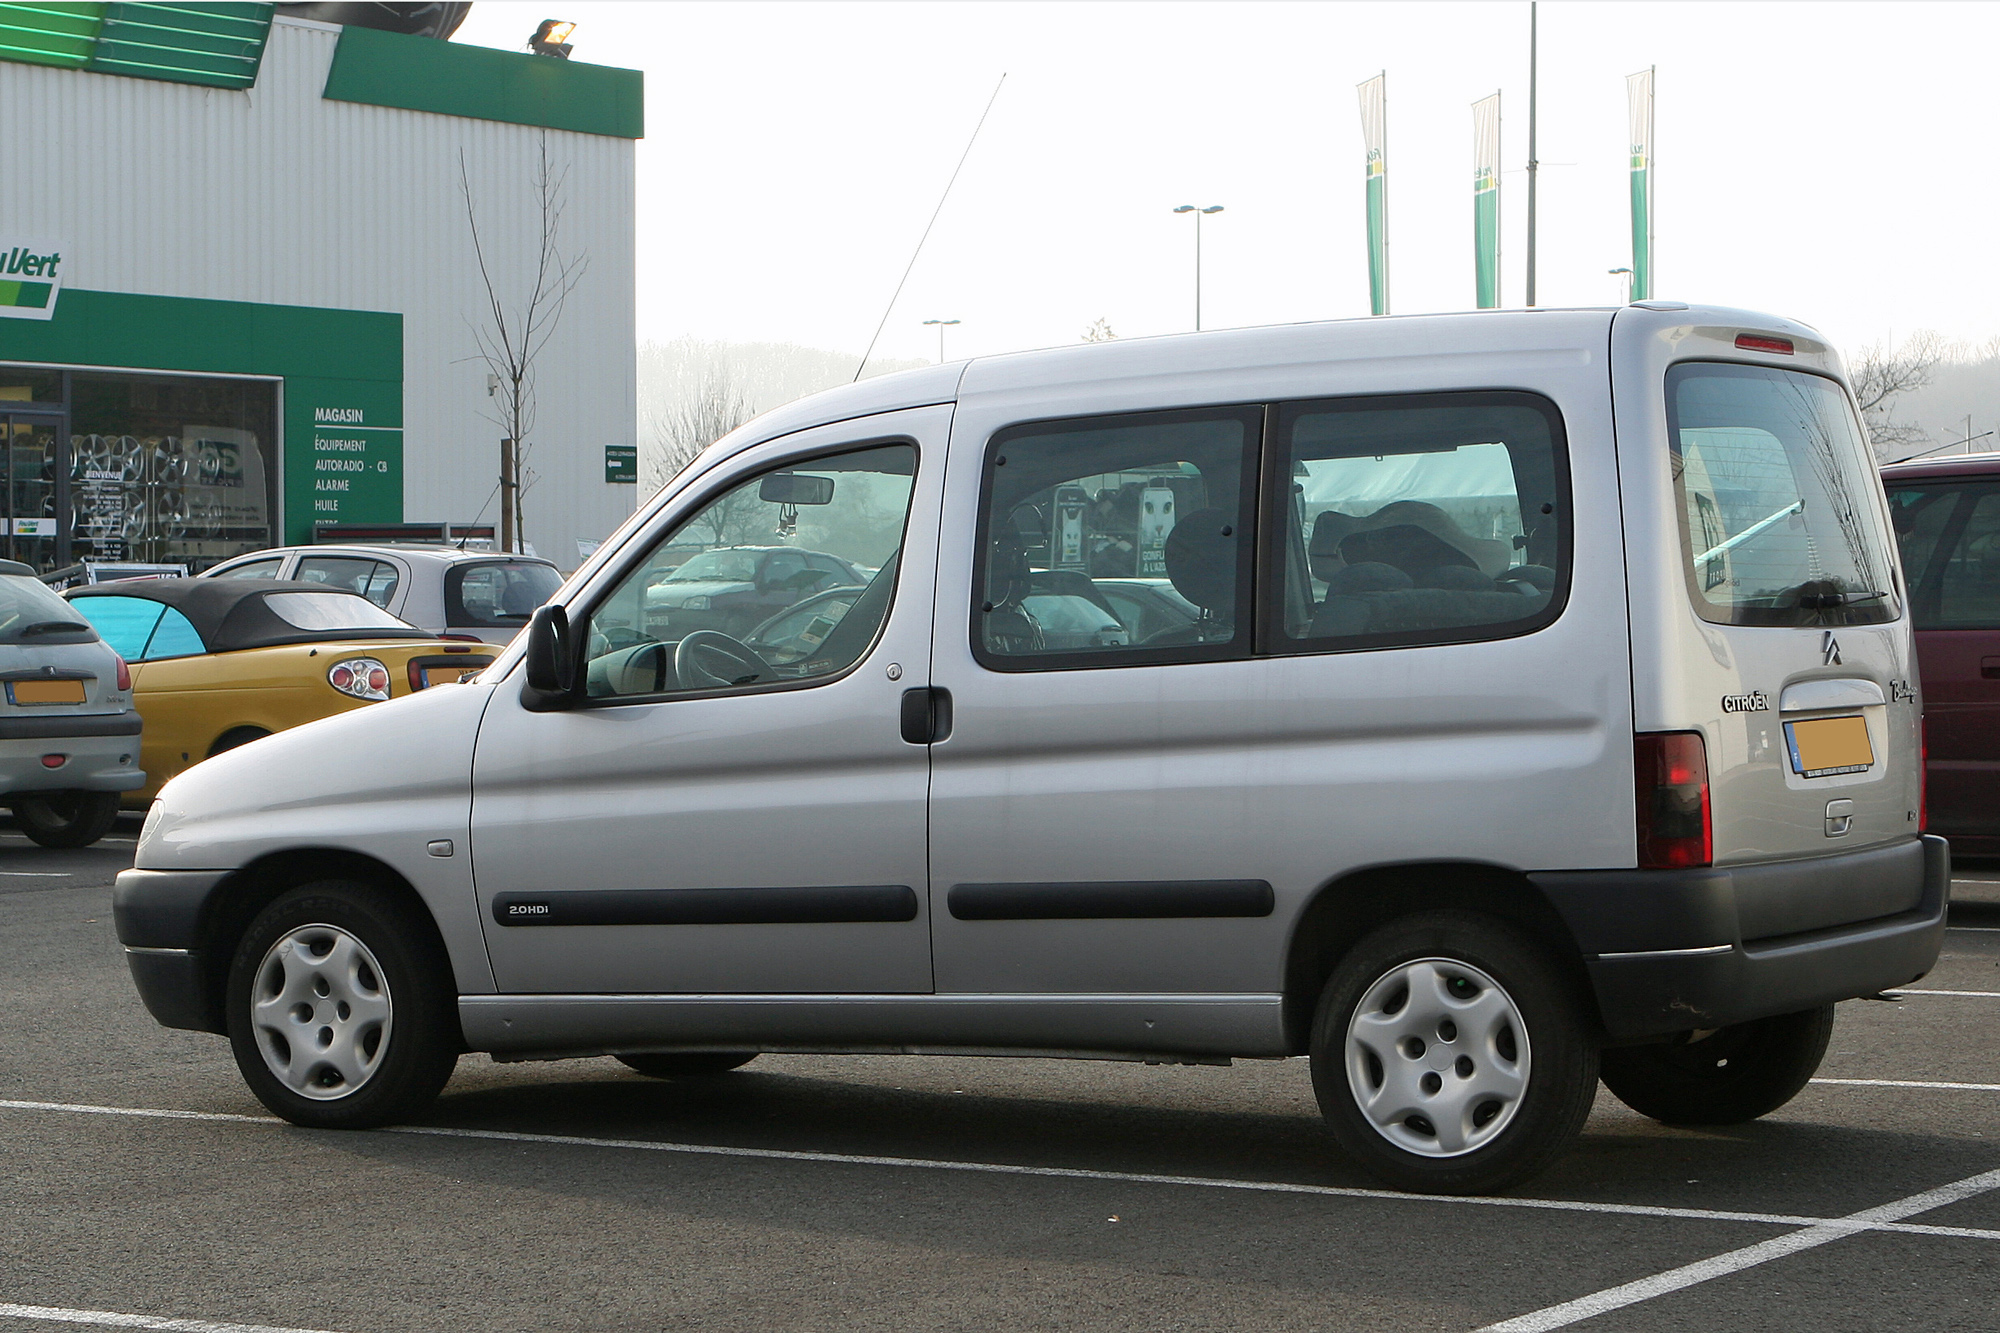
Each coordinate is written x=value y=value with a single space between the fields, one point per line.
x=709 y=907
x=1111 y=901
x=161 y=909
x=171 y=986
x=69 y=724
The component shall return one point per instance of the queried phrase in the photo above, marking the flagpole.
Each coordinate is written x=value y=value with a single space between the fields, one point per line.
x=1533 y=165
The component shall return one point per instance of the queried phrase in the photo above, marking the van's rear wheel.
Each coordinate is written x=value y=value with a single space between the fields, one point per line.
x=686 y=1064
x=1449 y=1055
x=1723 y=1076
x=342 y=1009
x=66 y=818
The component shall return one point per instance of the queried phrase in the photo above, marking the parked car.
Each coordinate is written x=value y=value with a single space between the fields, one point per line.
x=736 y=588
x=1582 y=745
x=1947 y=518
x=69 y=736
x=1148 y=607
x=217 y=663
x=454 y=594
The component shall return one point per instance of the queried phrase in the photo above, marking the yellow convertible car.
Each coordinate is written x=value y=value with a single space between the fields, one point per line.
x=220 y=662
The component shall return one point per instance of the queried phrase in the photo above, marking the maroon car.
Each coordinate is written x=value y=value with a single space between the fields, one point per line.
x=1947 y=517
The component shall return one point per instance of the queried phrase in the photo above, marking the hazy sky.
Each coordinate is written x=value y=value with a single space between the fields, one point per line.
x=1824 y=161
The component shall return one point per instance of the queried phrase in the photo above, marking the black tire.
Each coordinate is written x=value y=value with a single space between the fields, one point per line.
x=1729 y=1076
x=229 y=740
x=1536 y=1040
x=415 y=1046
x=686 y=1064
x=66 y=818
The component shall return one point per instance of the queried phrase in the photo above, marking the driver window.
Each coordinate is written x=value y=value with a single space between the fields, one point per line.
x=785 y=576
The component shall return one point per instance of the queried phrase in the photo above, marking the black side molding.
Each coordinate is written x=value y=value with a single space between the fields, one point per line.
x=709 y=907
x=64 y=725
x=1111 y=901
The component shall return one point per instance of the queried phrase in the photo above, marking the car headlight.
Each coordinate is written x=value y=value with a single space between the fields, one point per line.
x=153 y=813
x=360 y=678
x=695 y=604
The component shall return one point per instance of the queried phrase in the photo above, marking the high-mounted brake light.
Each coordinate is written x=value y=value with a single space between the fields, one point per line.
x=124 y=674
x=360 y=678
x=1670 y=769
x=1764 y=342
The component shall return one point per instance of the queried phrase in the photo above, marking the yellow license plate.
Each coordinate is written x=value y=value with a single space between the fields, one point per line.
x=1827 y=746
x=46 y=691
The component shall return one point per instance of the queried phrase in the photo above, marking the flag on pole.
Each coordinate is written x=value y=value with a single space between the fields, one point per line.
x=1639 y=105
x=1486 y=200
x=1374 y=133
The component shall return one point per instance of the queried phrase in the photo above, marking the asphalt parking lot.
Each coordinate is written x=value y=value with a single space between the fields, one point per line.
x=145 y=1188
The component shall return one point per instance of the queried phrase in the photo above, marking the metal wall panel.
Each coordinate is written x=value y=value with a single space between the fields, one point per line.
x=276 y=195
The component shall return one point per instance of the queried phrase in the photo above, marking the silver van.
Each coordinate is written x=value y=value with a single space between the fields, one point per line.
x=1547 y=714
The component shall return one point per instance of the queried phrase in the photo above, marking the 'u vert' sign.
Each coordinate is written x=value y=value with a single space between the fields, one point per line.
x=30 y=278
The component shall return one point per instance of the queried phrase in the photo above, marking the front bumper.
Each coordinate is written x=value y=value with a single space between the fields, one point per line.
x=1670 y=951
x=159 y=916
x=101 y=753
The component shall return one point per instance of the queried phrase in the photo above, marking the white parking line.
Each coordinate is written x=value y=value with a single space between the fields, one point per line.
x=38 y=874
x=1983 y=930
x=1975 y=994
x=1908 y=1083
x=112 y=1319
x=1055 y=1172
x=1735 y=1261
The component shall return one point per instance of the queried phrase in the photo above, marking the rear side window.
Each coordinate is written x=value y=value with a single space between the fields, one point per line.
x=1434 y=519
x=1774 y=488
x=174 y=636
x=374 y=579
x=498 y=594
x=1161 y=496
x=123 y=622
x=255 y=569
x=1950 y=539
x=317 y=611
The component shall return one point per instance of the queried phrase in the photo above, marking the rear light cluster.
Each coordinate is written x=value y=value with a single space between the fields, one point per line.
x=124 y=673
x=360 y=677
x=1671 y=772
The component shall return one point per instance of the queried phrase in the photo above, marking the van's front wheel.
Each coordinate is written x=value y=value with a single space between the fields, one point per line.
x=1723 y=1076
x=1449 y=1055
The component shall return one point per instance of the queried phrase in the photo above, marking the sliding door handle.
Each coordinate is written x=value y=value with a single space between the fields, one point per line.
x=926 y=715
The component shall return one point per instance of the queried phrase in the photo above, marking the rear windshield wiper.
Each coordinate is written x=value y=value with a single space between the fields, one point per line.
x=1795 y=507
x=52 y=627
x=1820 y=601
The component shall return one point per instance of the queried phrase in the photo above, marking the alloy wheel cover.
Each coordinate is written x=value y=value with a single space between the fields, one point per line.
x=1437 y=1057
x=321 y=1012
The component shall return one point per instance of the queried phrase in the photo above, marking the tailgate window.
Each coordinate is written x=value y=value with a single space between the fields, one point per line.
x=1775 y=491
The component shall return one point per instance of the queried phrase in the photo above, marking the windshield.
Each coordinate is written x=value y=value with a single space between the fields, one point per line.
x=30 y=613
x=1775 y=492
x=717 y=567
x=330 y=611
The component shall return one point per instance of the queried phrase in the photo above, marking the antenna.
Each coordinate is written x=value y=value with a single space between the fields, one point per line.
x=927 y=229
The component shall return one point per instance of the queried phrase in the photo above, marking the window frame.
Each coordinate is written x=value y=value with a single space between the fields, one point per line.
x=1241 y=646
x=713 y=488
x=1273 y=641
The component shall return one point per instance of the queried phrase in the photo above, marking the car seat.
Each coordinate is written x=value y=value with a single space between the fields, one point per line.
x=1200 y=555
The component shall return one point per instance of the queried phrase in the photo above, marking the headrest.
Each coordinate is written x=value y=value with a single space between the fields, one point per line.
x=1413 y=535
x=1201 y=558
x=1368 y=576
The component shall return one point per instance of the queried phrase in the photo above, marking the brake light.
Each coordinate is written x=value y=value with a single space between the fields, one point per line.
x=360 y=678
x=124 y=674
x=1670 y=769
x=461 y=638
x=1764 y=342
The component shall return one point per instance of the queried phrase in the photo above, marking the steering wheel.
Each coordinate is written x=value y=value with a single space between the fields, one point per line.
x=713 y=643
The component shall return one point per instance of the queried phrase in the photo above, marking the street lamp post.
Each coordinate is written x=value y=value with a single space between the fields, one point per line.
x=1198 y=212
x=942 y=325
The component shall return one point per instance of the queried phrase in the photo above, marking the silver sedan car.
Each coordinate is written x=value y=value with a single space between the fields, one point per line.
x=452 y=593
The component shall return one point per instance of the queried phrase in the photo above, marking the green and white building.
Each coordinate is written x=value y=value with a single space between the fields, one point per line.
x=239 y=295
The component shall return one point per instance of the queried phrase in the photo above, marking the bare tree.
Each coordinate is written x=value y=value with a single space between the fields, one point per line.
x=1883 y=373
x=712 y=406
x=513 y=334
x=1099 y=332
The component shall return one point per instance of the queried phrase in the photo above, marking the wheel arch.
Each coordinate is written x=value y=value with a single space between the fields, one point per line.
x=1351 y=905
x=238 y=899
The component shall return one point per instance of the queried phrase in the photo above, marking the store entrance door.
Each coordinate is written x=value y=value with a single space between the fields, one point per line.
x=28 y=489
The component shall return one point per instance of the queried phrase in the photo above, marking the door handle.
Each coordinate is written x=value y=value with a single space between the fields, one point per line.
x=1989 y=667
x=926 y=715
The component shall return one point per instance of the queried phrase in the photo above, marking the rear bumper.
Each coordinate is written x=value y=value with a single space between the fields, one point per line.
x=1669 y=951
x=100 y=753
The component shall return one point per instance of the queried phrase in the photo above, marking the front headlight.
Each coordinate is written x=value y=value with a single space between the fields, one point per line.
x=360 y=678
x=153 y=813
x=695 y=604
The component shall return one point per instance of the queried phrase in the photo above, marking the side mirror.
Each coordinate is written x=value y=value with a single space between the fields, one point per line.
x=551 y=659
x=792 y=488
